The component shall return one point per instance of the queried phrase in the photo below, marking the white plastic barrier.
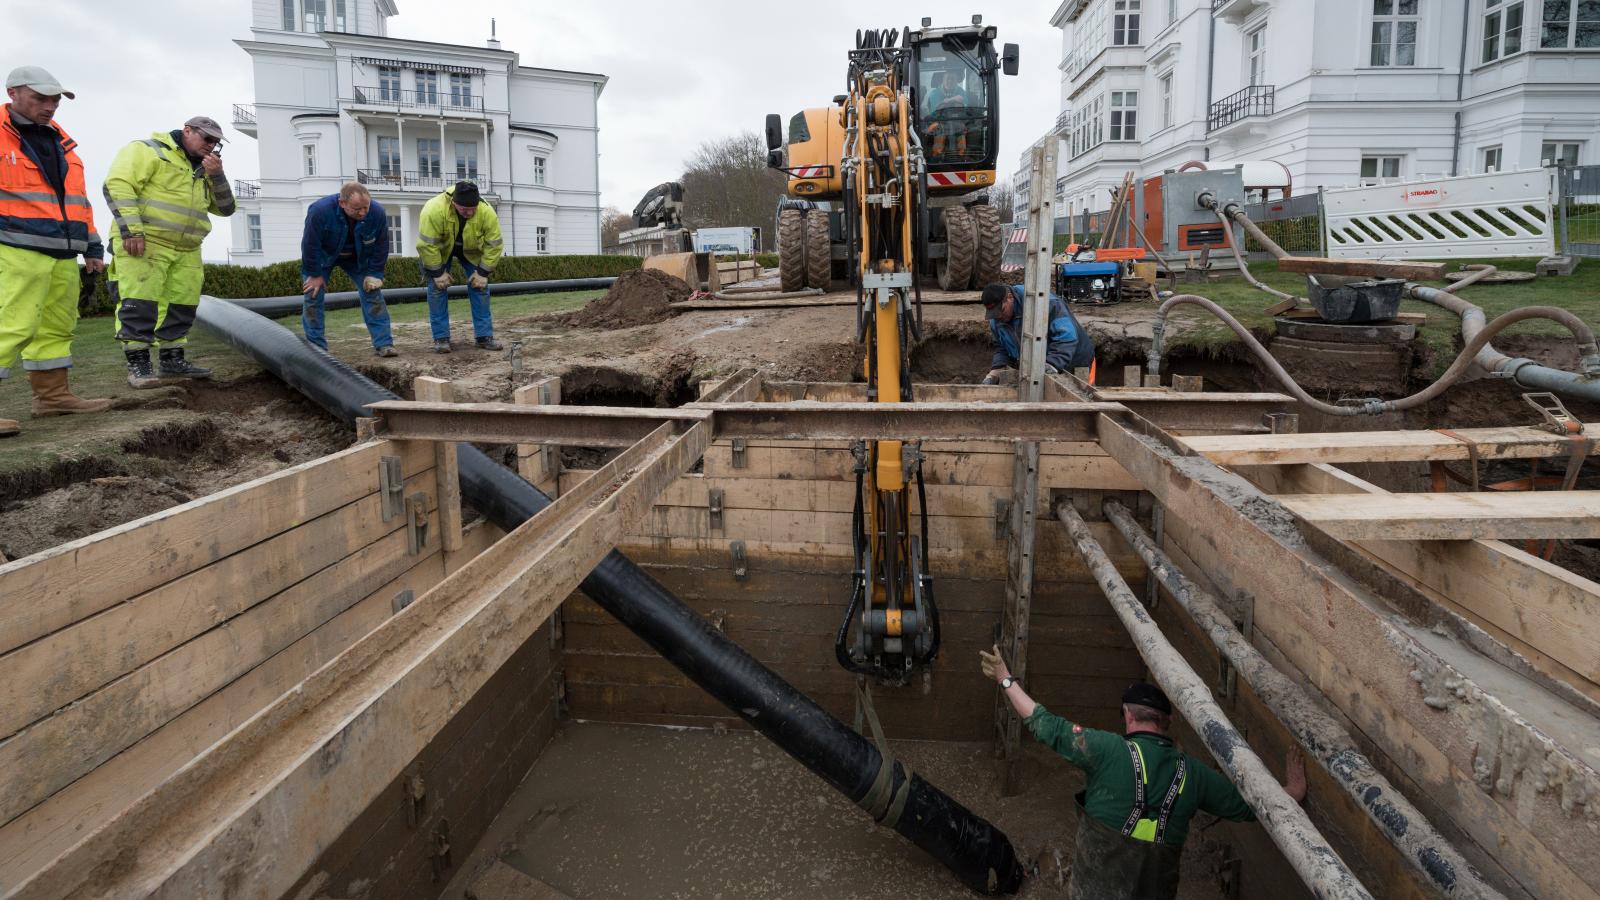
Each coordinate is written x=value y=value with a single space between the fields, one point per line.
x=1500 y=214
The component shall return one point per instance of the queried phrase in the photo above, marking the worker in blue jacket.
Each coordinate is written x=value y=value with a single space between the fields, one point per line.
x=1067 y=347
x=349 y=230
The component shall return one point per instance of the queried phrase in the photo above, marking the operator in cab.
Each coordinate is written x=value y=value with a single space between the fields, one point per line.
x=1067 y=347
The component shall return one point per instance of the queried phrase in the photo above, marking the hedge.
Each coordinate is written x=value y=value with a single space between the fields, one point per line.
x=283 y=279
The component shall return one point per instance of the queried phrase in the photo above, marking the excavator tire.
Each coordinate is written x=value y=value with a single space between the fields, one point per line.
x=986 y=268
x=955 y=271
x=792 y=249
x=819 y=264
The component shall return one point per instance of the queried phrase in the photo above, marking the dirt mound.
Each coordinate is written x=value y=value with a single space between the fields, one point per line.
x=82 y=509
x=640 y=297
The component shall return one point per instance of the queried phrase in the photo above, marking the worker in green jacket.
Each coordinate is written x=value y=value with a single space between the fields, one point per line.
x=459 y=225
x=162 y=192
x=1142 y=791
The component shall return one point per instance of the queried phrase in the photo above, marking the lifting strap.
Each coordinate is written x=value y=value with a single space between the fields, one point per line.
x=883 y=801
x=1137 y=826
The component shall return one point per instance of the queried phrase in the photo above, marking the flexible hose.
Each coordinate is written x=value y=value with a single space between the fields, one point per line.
x=1524 y=372
x=767 y=295
x=1458 y=368
x=1244 y=267
x=290 y=305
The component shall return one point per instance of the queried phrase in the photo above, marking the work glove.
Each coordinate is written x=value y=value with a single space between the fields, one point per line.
x=1051 y=370
x=990 y=379
x=371 y=283
x=478 y=281
x=442 y=281
x=994 y=667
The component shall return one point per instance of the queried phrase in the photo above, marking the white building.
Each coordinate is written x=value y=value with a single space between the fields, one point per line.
x=338 y=100
x=1340 y=92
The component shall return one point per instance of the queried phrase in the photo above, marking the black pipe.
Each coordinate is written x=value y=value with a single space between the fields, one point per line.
x=280 y=307
x=977 y=852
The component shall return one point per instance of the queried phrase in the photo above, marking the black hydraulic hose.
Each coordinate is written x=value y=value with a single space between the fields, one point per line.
x=279 y=307
x=974 y=850
x=927 y=582
x=858 y=544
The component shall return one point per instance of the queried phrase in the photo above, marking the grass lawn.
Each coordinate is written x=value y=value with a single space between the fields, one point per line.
x=99 y=371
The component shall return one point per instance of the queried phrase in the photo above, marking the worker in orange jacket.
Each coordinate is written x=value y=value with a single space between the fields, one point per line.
x=46 y=223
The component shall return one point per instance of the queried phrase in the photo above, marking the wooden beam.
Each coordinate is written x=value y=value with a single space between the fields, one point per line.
x=742 y=386
x=297 y=773
x=540 y=465
x=439 y=390
x=1375 y=268
x=1380 y=446
x=1451 y=517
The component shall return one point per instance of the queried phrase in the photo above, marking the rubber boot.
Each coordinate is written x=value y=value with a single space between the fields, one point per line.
x=52 y=398
x=173 y=365
x=140 y=375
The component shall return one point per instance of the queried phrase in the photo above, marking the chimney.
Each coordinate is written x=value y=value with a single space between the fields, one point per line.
x=494 y=42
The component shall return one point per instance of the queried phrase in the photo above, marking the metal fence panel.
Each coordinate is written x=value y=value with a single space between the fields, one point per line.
x=1500 y=214
x=1580 y=210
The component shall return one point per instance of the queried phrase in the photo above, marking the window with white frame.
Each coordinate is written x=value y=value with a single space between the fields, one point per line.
x=1256 y=49
x=389 y=83
x=1502 y=28
x=539 y=169
x=1394 y=32
x=460 y=89
x=1125 y=23
x=1491 y=158
x=541 y=239
x=314 y=15
x=1090 y=36
x=466 y=160
x=252 y=229
x=1088 y=125
x=308 y=152
x=288 y=15
x=1569 y=25
x=1124 y=116
x=1166 y=100
x=397 y=225
x=428 y=162
x=389 y=157
x=1564 y=153
x=1172 y=12
x=427 y=86
x=1375 y=169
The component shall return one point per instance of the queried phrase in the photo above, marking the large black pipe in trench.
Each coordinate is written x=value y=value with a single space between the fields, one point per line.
x=280 y=307
x=977 y=852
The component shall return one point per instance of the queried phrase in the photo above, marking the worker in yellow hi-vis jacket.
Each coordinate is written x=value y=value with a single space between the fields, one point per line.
x=459 y=225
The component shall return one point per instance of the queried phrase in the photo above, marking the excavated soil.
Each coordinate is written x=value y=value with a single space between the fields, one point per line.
x=640 y=297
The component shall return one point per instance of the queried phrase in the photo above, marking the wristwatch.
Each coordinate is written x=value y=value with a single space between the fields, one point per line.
x=1007 y=682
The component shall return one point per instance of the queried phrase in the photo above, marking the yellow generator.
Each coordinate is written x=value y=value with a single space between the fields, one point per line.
x=952 y=75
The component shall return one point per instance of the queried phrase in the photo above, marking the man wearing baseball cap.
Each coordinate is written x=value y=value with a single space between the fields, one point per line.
x=1067 y=346
x=45 y=224
x=162 y=192
x=1142 y=791
x=459 y=225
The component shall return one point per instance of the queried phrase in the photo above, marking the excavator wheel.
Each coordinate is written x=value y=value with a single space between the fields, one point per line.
x=986 y=268
x=792 y=249
x=819 y=264
x=955 y=270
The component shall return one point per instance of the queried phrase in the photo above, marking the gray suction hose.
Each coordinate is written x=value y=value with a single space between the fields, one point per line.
x=1258 y=234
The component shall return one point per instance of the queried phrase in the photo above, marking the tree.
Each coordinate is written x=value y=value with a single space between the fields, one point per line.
x=726 y=183
x=613 y=222
x=1000 y=198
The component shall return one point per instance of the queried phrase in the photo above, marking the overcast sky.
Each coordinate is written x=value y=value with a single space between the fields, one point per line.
x=680 y=73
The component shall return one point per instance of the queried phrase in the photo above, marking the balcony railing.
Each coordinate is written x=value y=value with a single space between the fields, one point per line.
x=244 y=114
x=1062 y=120
x=442 y=100
x=246 y=190
x=1255 y=100
x=409 y=179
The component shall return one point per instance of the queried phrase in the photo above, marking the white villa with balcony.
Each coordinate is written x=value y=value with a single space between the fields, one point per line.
x=337 y=100
x=1340 y=92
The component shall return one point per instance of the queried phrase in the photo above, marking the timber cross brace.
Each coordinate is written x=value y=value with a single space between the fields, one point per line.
x=1460 y=672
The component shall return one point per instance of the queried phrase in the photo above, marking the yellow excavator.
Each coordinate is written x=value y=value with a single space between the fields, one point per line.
x=880 y=177
x=950 y=76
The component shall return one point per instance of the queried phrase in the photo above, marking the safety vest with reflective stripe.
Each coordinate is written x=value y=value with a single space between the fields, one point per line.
x=32 y=214
x=440 y=228
x=155 y=192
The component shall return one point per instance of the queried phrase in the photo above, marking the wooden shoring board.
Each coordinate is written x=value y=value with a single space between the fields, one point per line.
x=66 y=665
x=1373 y=268
x=58 y=750
x=292 y=777
x=975 y=500
x=1453 y=516
x=1380 y=446
x=448 y=474
x=540 y=465
x=982 y=466
x=1505 y=766
x=53 y=589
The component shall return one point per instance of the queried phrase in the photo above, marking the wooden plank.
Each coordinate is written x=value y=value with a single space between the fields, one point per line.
x=963 y=468
x=1379 y=446
x=540 y=465
x=1451 y=516
x=292 y=776
x=1376 y=268
x=448 y=475
x=693 y=491
x=53 y=589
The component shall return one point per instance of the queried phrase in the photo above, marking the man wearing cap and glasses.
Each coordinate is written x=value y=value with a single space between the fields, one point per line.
x=1142 y=790
x=1067 y=345
x=162 y=192
x=458 y=225
x=45 y=224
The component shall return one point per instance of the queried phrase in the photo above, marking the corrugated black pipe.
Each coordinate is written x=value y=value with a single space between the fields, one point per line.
x=279 y=307
x=977 y=852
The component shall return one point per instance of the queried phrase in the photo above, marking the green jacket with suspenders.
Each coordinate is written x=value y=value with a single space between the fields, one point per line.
x=1142 y=793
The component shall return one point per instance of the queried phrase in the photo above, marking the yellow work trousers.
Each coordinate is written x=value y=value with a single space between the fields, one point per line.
x=156 y=294
x=38 y=309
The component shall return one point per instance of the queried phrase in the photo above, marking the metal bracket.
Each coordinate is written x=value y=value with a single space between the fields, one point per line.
x=1281 y=423
x=417 y=795
x=1229 y=875
x=1002 y=518
x=741 y=564
x=515 y=354
x=440 y=857
x=403 y=599
x=714 y=507
x=416 y=523
x=911 y=458
x=391 y=486
x=558 y=629
x=559 y=683
x=719 y=618
x=738 y=460
x=873 y=280
x=1244 y=619
x=1555 y=414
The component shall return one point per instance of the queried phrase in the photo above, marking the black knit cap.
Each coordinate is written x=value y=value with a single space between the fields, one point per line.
x=1143 y=693
x=994 y=294
x=465 y=194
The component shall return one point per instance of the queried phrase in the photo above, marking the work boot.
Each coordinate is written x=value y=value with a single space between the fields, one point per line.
x=489 y=343
x=386 y=351
x=10 y=428
x=51 y=397
x=173 y=365
x=441 y=346
x=140 y=374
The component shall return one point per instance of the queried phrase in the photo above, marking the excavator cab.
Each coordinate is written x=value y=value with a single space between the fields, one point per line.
x=957 y=115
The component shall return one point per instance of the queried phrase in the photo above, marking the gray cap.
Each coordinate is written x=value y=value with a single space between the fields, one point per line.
x=206 y=126
x=37 y=78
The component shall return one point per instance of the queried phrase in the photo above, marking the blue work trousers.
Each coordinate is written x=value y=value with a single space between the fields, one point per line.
x=373 y=311
x=439 y=311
